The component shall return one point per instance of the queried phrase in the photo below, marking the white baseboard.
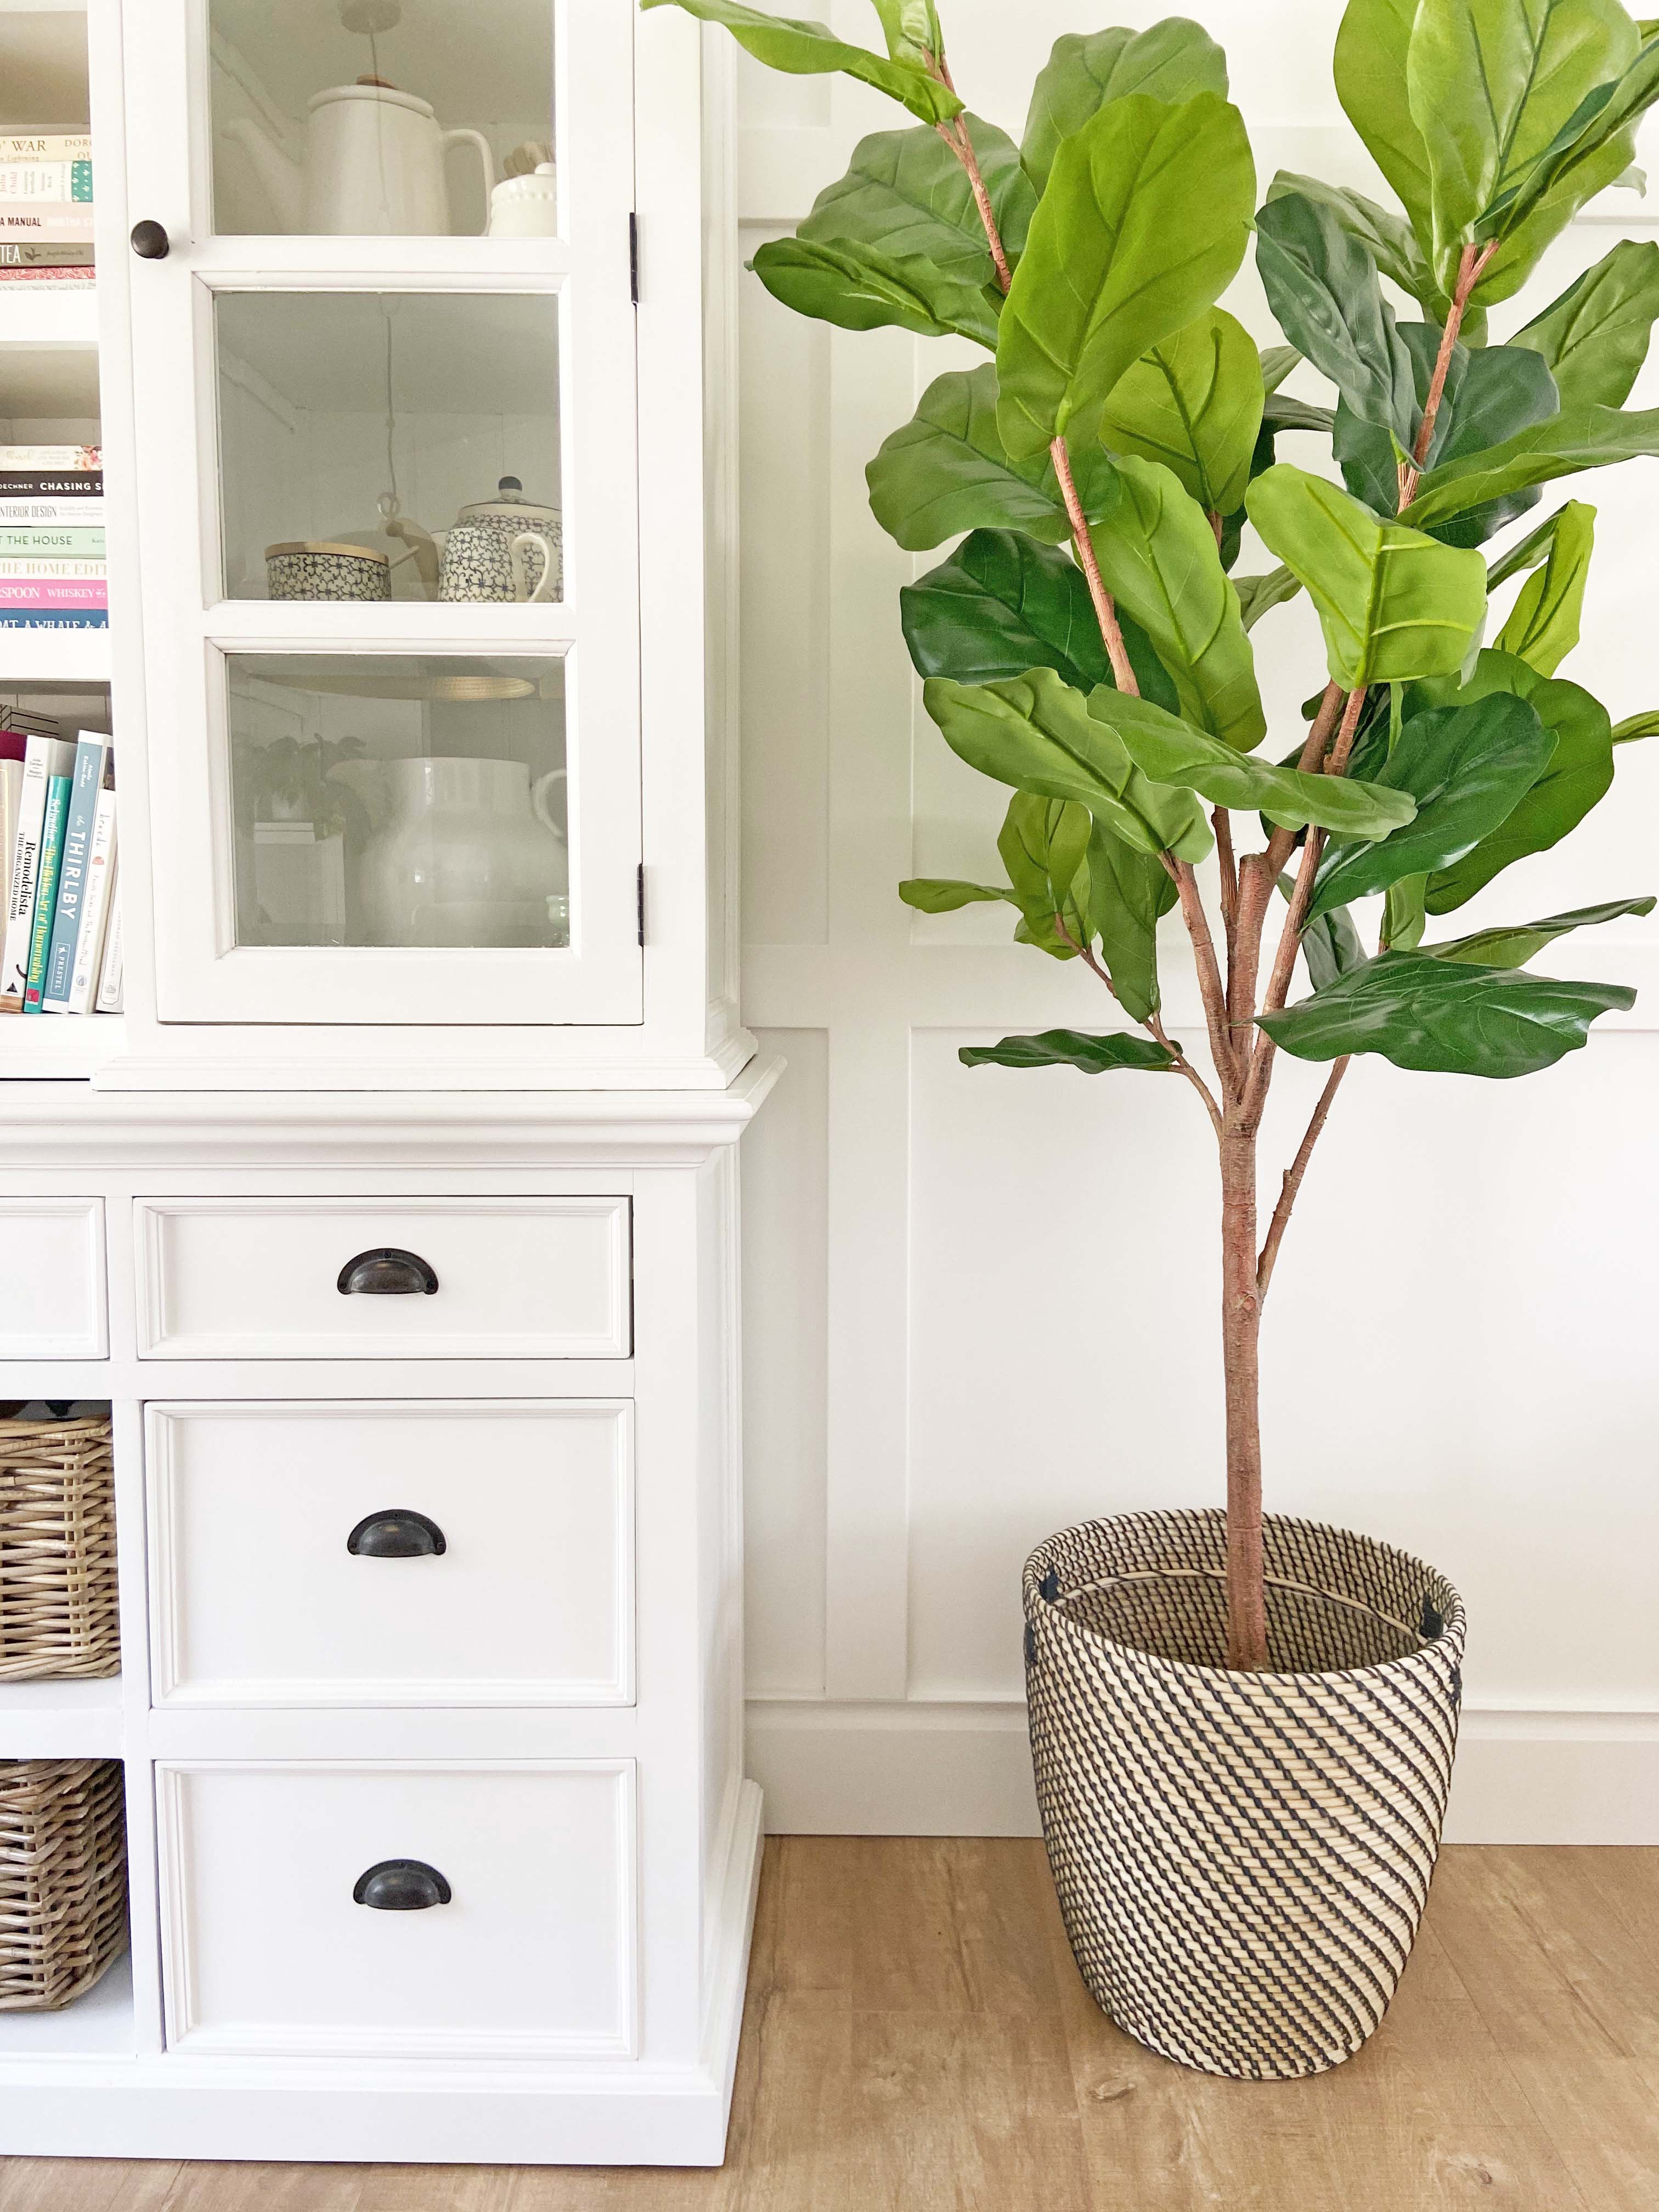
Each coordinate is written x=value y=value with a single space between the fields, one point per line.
x=965 y=1770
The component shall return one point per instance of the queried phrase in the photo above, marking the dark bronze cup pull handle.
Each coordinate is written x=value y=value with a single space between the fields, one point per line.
x=401 y=1885
x=396 y=1535
x=387 y=1273
x=150 y=241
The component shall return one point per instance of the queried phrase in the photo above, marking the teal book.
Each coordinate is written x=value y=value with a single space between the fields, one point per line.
x=45 y=890
x=86 y=780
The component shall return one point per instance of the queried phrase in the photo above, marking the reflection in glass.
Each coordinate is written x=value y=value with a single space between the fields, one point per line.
x=396 y=800
x=381 y=118
x=397 y=445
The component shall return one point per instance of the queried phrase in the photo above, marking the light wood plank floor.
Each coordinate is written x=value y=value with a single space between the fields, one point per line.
x=917 y=2040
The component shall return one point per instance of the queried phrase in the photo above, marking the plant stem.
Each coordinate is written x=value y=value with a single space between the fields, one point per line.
x=1470 y=267
x=1293 y=1175
x=1211 y=986
x=955 y=135
x=1241 y=1335
x=1111 y=633
x=1221 y=822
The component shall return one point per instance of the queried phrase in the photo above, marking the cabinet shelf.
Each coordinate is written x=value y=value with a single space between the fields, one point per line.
x=97 y=2025
x=36 y=318
x=53 y=656
x=52 y=1047
x=61 y=1720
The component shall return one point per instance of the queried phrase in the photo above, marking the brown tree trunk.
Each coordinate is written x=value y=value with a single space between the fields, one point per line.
x=1241 y=1324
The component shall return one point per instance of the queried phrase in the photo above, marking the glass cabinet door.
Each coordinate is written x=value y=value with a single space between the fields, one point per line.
x=384 y=384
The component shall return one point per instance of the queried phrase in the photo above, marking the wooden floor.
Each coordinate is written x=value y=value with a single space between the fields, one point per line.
x=918 y=2040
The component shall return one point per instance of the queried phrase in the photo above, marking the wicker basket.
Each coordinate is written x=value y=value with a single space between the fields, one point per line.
x=58 y=1595
x=63 y=1879
x=1242 y=1859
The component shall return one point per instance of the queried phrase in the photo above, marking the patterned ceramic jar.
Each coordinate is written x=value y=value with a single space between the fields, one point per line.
x=504 y=549
x=318 y=570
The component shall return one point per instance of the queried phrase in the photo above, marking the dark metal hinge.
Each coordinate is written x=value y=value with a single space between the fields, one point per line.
x=634 y=258
x=641 y=902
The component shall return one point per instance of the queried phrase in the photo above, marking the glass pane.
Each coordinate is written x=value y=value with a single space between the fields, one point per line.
x=395 y=445
x=396 y=800
x=383 y=117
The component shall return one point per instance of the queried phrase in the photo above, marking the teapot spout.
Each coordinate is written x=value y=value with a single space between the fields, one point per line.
x=282 y=179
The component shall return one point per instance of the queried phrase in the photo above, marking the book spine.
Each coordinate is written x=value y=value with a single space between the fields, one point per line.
x=46 y=484
x=56 y=280
x=33 y=542
x=11 y=808
x=42 y=568
x=45 y=146
x=74 y=254
x=95 y=913
x=55 y=224
x=40 y=756
x=110 y=991
x=51 y=457
x=46 y=891
x=24 y=182
x=52 y=514
x=84 y=785
x=23 y=618
x=70 y=595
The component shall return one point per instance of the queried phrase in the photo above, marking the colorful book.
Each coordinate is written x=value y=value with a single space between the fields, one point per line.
x=86 y=781
x=43 y=758
x=71 y=511
x=53 y=223
x=46 y=891
x=25 y=182
x=27 y=619
x=45 y=146
x=110 y=991
x=95 y=914
x=90 y=457
x=74 y=254
x=46 y=484
x=51 y=541
x=54 y=281
x=44 y=568
x=11 y=800
x=70 y=595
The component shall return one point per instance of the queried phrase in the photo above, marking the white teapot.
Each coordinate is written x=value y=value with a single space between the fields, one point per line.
x=373 y=165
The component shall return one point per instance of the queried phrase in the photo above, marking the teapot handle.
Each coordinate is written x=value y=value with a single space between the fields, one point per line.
x=540 y=802
x=476 y=138
x=527 y=542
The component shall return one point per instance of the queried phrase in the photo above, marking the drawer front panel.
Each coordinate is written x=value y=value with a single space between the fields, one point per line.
x=260 y=1279
x=52 y=1303
x=266 y=1949
x=493 y=1562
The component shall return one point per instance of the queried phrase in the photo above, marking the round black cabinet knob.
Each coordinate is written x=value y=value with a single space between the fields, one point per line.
x=150 y=241
x=397 y=1534
x=387 y=1273
x=400 y=1886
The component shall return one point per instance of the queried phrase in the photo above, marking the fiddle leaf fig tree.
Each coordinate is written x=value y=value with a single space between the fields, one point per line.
x=1084 y=640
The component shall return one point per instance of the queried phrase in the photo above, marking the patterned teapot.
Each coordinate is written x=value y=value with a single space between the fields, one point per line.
x=503 y=549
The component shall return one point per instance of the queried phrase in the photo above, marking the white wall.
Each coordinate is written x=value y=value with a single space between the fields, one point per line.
x=979 y=1305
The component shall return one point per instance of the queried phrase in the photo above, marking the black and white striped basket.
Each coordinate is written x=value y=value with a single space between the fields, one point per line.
x=1242 y=1859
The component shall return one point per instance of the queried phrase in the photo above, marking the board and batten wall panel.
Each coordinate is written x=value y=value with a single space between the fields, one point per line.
x=979 y=1305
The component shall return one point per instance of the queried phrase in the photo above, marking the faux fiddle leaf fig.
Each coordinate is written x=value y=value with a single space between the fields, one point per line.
x=859 y=288
x=1446 y=1017
x=1035 y=732
x=906 y=194
x=1543 y=624
x=1044 y=844
x=1258 y=595
x=1330 y=944
x=1170 y=61
x=1578 y=437
x=1466 y=767
x=1001 y=605
x=1594 y=337
x=1128 y=891
x=1589 y=151
x=1322 y=286
x=1512 y=947
x=1100 y=281
x=802 y=48
x=944 y=894
x=1193 y=402
x=1389 y=238
x=1370 y=69
x=911 y=29
x=1635 y=727
x=1091 y=1055
x=1277 y=362
x=1393 y=604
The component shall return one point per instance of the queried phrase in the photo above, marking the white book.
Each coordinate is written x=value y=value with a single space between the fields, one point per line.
x=43 y=758
x=95 y=907
x=108 y=1000
x=11 y=798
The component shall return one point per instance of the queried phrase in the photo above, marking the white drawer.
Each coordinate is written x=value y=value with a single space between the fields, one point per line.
x=266 y=1949
x=52 y=1278
x=262 y=1278
x=257 y=1600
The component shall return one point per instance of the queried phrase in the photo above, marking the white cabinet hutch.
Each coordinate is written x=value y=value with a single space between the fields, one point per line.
x=395 y=1217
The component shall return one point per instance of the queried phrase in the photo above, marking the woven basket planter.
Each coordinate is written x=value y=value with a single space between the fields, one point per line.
x=63 y=1879
x=1242 y=1859
x=57 y=1594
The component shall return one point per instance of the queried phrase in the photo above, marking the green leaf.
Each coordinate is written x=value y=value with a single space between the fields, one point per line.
x=1466 y=767
x=1594 y=337
x=1156 y=552
x=1589 y=151
x=1330 y=944
x=1372 y=46
x=1513 y=946
x=1173 y=752
x=942 y=894
x=906 y=194
x=1281 y=411
x=1579 y=774
x=1277 y=362
x=1044 y=843
x=1322 y=286
x=859 y=288
x=1094 y=1055
x=1170 y=62
x=911 y=29
x=1258 y=594
x=1543 y=625
x=1143 y=223
x=1636 y=726
x=1404 y=914
x=801 y=48
x=1392 y=605
x=1578 y=437
x=1035 y=732
x=1387 y=239
x=1127 y=891
x=1443 y=1017
x=1192 y=403
x=1001 y=605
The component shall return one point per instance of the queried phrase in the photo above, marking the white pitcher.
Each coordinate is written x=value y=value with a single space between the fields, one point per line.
x=462 y=853
x=373 y=165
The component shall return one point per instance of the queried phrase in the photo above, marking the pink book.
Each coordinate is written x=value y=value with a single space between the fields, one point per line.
x=47 y=593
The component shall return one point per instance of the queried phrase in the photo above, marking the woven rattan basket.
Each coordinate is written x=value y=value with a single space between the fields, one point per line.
x=58 y=1596
x=63 y=1879
x=1242 y=1859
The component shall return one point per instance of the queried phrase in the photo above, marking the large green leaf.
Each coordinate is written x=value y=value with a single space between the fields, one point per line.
x=1258 y=595
x=1635 y=727
x=1192 y=403
x=860 y=287
x=1044 y=843
x=1001 y=605
x=1466 y=767
x=906 y=194
x=1330 y=943
x=1372 y=46
x=1127 y=891
x=1392 y=605
x=1322 y=286
x=1512 y=947
x=1037 y=733
x=1590 y=150
x=1156 y=552
x=944 y=894
x=946 y=471
x=1143 y=223
x=1594 y=337
x=1543 y=624
x=911 y=29
x=1092 y=1055
x=1389 y=238
x=1173 y=752
x=1578 y=437
x=801 y=48
x=1579 y=774
x=1170 y=62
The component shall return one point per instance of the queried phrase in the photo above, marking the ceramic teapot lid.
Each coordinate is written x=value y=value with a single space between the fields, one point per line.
x=510 y=504
x=374 y=89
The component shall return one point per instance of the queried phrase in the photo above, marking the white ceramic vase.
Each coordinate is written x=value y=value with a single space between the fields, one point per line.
x=466 y=852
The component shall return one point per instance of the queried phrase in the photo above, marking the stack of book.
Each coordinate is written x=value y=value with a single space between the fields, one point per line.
x=45 y=210
x=61 y=952
x=52 y=574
